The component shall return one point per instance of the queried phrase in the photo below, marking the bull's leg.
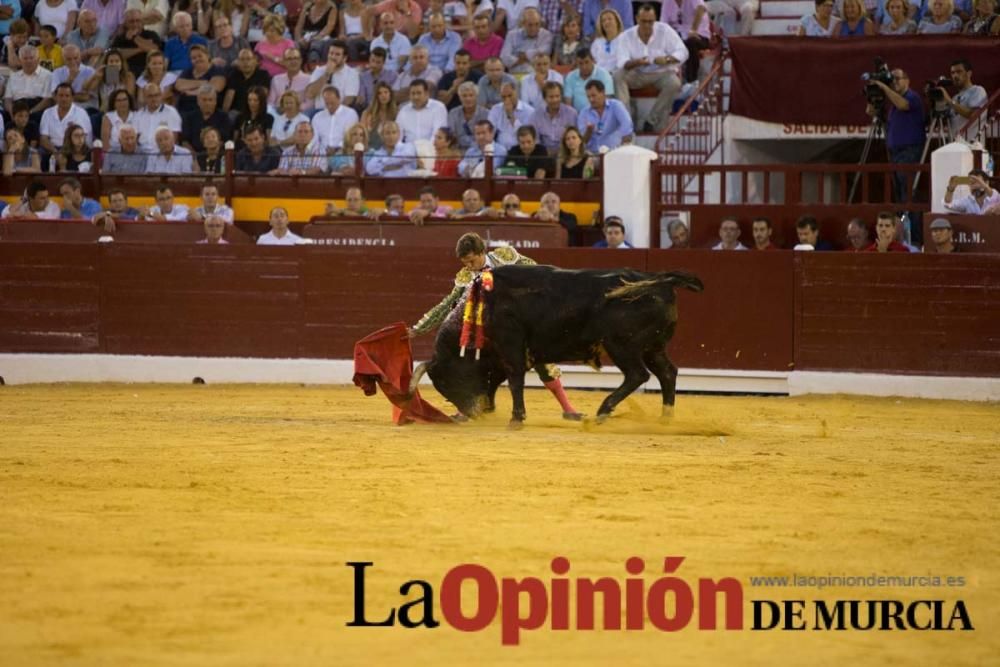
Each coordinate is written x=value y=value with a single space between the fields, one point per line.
x=515 y=379
x=491 y=394
x=631 y=365
x=666 y=372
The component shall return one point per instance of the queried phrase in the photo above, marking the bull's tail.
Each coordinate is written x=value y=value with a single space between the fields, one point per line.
x=631 y=291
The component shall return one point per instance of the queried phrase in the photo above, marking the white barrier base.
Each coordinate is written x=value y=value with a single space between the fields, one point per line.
x=48 y=368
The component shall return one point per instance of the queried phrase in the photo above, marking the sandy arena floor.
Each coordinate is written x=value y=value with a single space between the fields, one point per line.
x=166 y=525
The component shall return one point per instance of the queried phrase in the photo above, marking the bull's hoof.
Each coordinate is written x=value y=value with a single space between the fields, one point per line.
x=602 y=417
x=573 y=416
x=515 y=424
x=459 y=418
x=667 y=414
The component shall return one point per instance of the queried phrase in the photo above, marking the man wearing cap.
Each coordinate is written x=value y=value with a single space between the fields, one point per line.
x=941 y=234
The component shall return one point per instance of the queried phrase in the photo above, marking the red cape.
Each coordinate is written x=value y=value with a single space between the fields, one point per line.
x=385 y=358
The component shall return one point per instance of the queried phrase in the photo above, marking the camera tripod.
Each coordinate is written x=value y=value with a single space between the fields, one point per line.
x=938 y=129
x=876 y=131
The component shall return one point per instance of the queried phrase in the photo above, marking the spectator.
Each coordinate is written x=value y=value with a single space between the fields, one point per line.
x=19 y=157
x=255 y=115
x=77 y=75
x=490 y=85
x=855 y=23
x=529 y=155
x=822 y=23
x=463 y=118
x=417 y=69
x=35 y=204
x=942 y=19
x=984 y=19
x=273 y=48
x=153 y=116
x=608 y=43
x=430 y=206
x=74 y=154
x=355 y=138
x=593 y=12
x=165 y=209
x=605 y=122
x=127 y=158
x=981 y=200
x=395 y=44
x=941 y=235
x=191 y=81
x=678 y=233
x=215 y=227
x=761 y=229
x=354 y=206
x=336 y=73
x=905 y=128
x=134 y=41
x=508 y=13
x=885 y=235
x=305 y=156
x=279 y=234
x=121 y=113
x=727 y=11
x=966 y=102
x=508 y=116
x=257 y=156
x=450 y=83
x=30 y=83
x=807 y=228
x=550 y=210
x=393 y=207
x=569 y=42
x=511 y=206
x=56 y=120
x=395 y=159
x=49 y=50
x=355 y=28
x=586 y=71
x=332 y=122
x=473 y=165
x=574 y=161
x=111 y=76
x=207 y=115
x=447 y=155
x=689 y=19
x=118 y=205
x=156 y=72
x=857 y=235
x=89 y=37
x=154 y=14
x=75 y=205
x=177 y=49
x=484 y=44
x=897 y=21
x=614 y=235
x=283 y=130
x=472 y=206
x=383 y=109
x=314 y=29
x=422 y=116
x=292 y=79
x=20 y=33
x=441 y=44
x=225 y=48
x=521 y=45
x=651 y=54
x=243 y=78
x=552 y=119
x=533 y=84
x=408 y=15
x=375 y=73
x=729 y=233
x=212 y=158
x=169 y=158
x=210 y=206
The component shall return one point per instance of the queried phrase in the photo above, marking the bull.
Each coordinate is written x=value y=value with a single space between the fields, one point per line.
x=542 y=315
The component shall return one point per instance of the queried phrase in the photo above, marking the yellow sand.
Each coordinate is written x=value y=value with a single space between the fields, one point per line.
x=152 y=524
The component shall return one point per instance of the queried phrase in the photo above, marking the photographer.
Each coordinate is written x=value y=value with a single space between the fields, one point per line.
x=981 y=200
x=905 y=134
x=966 y=101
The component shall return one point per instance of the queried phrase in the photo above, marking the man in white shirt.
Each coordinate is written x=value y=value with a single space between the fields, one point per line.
x=279 y=234
x=210 y=206
x=651 y=54
x=729 y=236
x=336 y=73
x=30 y=83
x=330 y=124
x=35 y=204
x=397 y=46
x=419 y=67
x=56 y=119
x=154 y=115
x=169 y=158
x=509 y=115
x=422 y=116
x=166 y=210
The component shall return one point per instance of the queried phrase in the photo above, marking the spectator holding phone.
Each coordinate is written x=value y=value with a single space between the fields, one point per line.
x=981 y=200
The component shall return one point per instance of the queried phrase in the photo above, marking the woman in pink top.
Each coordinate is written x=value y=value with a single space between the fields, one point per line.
x=690 y=19
x=272 y=48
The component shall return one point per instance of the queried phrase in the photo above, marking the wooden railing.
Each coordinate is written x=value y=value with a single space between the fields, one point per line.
x=695 y=131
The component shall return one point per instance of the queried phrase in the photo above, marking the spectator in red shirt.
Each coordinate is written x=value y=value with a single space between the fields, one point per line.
x=857 y=235
x=885 y=235
x=484 y=44
x=762 y=230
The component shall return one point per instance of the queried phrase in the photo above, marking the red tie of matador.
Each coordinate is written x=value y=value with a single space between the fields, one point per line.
x=472 y=316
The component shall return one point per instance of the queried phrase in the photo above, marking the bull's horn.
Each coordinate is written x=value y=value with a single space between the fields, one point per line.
x=418 y=373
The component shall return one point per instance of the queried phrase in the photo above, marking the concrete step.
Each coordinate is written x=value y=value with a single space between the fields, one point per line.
x=786 y=8
x=787 y=26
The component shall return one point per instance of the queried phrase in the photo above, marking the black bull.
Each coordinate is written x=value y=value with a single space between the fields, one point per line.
x=539 y=315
